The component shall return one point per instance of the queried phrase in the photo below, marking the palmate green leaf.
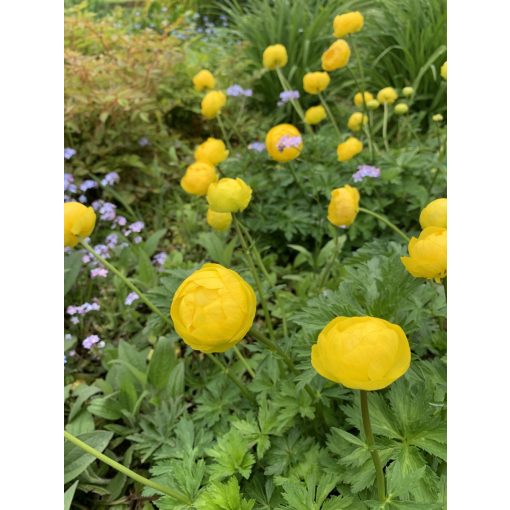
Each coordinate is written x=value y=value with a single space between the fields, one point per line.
x=224 y=496
x=76 y=460
x=264 y=492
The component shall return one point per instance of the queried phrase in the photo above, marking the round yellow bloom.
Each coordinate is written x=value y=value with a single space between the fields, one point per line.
x=401 y=108
x=79 y=221
x=198 y=177
x=443 y=71
x=437 y=117
x=336 y=56
x=387 y=95
x=276 y=145
x=373 y=104
x=347 y=23
x=213 y=309
x=219 y=220
x=434 y=214
x=356 y=120
x=212 y=103
x=427 y=254
x=362 y=353
x=315 y=114
x=275 y=56
x=343 y=206
x=358 y=98
x=348 y=149
x=408 y=91
x=212 y=151
x=315 y=83
x=229 y=195
x=204 y=80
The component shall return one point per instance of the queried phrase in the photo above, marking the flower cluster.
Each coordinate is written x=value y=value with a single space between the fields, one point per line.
x=288 y=95
x=366 y=171
x=236 y=90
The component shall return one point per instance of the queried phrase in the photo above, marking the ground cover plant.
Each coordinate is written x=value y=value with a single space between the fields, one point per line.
x=255 y=258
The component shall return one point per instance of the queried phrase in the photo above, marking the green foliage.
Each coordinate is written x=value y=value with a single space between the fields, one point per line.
x=224 y=496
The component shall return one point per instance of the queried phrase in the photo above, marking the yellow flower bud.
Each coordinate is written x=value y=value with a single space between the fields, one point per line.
x=336 y=56
x=275 y=56
x=198 y=177
x=427 y=254
x=401 y=108
x=443 y=71
x=213 y=309
x=373 y=104
x=315 y=83
x=356 y=120
x=212 y=103
x=347 y=23
x=229 y=195
x=437 y=117
x=361 y=353
x=387 y=95
x=219 y=220
x=434 y=214
x=277 y=146
x=343 y=206
x=79 y=221
x=315 y=114
x=408 y=91
x=212 y=151
x=358 y=98
x=348 y=149
x=204 y=80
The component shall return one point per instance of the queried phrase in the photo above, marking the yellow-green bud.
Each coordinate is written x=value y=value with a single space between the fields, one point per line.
x=401 y=109
x=373 y=104
x=408 y=91
x=437 y=117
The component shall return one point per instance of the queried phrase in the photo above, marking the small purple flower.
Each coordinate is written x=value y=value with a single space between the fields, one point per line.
x=257 y=146
x=68 y=337
x=72 y=353
x=71 y=310
x=82 y=199
x=112 y=240
x=160 y=258
x=138 y=239
x=88 y=184
x=144 y=141
x=131 y=298
x=97 y=204
x=107 y=211
x=99 y=272
x=68 y=183
x=289 y=95
x=286 y=142
x=366 y=171
x=137 y=226
x=248 y=92
x=103 y=250
x=110 y=179
x=121 y=221
x=90 y=341
x=75 y=320
x=69 y=152
x=86 y=258
x=234 y=90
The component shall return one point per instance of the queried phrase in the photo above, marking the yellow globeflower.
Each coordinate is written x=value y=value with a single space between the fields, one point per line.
x=358 y=98
x=401 y=108
x=315 y=114
x=198 y=177
x=347 y=23
x=348 y=149
x=434 y=214
x=387 y=95
x=212 y=103
x=229 y=195
x=213 y=309
x=204 y=80
x=443 y=71
x=336 y=56
x=356 y=120
x=212 y=151
x=275 y=56
x=79 y=221
x=315 y=83
x=427 y=254
x=408 y=91
x=343 y=206
x=284 y=142
x=362 y=353
x=219 y=220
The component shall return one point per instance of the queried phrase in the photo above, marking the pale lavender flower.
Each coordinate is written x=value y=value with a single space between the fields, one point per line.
x=97 y=204
x=138 y=239
x=103 y=250
x=366 y=171
x=121 y=221
x=160 y=258
x=287 y=141
x=88 y=184
x=71 y=310
x=131 y=298
x=110 y=179
x=137 y=226
x=72 y=353
x=112 y=240
x=83 y=309
x=234 y=90
x=86 y=258
x=101 y=344
x=90 y=341
x=257 y=146
x=82 y=199
x=68 y=337
x=68 y=183
x=289 y=95
x=99 y=272
x=75 y=320
x=69 y=152
x=144 y=141
x=248 y=92
x=107 y=211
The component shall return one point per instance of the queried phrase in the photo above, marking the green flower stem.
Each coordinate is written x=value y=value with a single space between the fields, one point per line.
x=385 y=127
x=272 y=346
x=127 y=281
x=234 y=379
x=256 y=253
x=125 y=471
x=330 y=115
x=386 y=221
x=224 y=132
x=258 y=284
x=243 y=360
x=327 y=269
x=379 y=473
x=233 y=127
